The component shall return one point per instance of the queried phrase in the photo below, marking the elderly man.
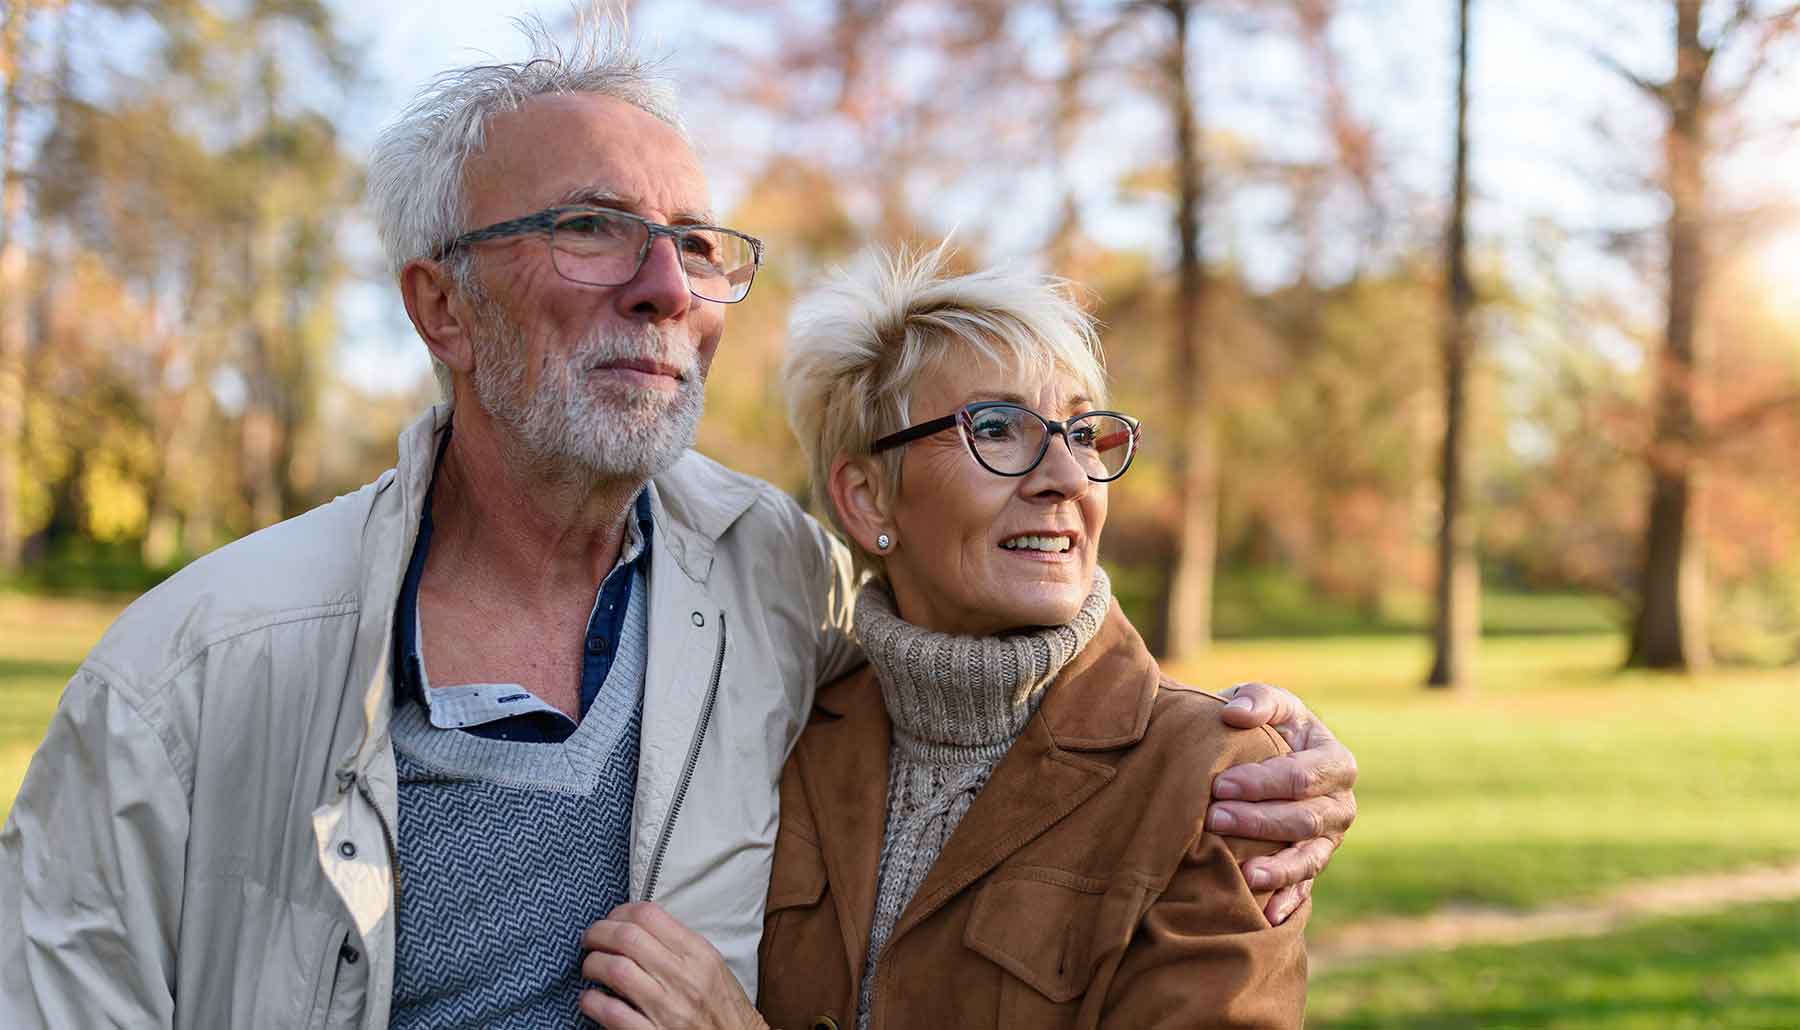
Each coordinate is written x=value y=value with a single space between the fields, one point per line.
x=382 y=763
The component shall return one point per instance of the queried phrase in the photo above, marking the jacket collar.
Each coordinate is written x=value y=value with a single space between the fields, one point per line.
x=1101 y=702
x=1106 y=692
x=693 y=504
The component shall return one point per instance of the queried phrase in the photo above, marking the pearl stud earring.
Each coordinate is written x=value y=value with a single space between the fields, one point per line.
x=883 y=542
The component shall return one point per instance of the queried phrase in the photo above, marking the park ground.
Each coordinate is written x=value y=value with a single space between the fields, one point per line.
x=1538 y=800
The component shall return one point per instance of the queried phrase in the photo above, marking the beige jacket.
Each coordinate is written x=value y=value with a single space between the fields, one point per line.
x=1080 y=891
x=205 y=838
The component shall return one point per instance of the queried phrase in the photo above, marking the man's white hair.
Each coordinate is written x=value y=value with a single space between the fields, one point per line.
x=416 y=169
x=858 y=345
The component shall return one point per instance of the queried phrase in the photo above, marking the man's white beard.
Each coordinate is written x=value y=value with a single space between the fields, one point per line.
x=579 y=425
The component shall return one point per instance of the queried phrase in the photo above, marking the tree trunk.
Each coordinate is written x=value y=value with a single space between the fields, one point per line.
x=1456 y=627
x=1189 y=601
x=13 y=300
x=1670 y=629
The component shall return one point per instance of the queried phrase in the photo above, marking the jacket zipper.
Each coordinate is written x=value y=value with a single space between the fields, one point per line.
x=687 y=769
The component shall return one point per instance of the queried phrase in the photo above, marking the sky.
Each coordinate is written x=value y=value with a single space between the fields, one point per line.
x=1535 y=160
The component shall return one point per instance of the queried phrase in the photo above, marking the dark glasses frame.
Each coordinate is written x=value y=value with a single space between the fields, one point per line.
x=963 y=419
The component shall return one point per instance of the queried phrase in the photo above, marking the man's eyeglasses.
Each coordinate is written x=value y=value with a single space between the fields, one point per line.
x=602 y=247
x=1010 y=440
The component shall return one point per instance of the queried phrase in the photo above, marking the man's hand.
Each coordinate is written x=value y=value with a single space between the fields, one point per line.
x=662 y=975
x=1303 y=799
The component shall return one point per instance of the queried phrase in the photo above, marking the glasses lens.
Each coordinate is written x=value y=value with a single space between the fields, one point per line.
x=1007 y=439
x=719 y=263
x=1101 y=443
x=597 y=247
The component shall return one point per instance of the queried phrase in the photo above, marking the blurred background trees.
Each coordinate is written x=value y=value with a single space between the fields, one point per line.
x=1253 y=195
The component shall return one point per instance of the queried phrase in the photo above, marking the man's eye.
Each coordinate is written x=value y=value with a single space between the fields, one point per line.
x=696 y=245
x=595 y=226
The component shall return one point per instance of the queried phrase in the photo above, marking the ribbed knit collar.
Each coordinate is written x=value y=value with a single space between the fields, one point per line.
x=945 y=691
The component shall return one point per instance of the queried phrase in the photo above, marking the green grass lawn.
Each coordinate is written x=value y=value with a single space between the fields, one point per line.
x=1556 y=777
x=1739 y=968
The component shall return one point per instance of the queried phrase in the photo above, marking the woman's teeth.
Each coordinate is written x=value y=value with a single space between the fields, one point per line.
x=1053 y=544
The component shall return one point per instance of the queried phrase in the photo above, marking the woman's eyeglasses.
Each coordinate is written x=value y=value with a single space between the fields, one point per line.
x=1010 y=440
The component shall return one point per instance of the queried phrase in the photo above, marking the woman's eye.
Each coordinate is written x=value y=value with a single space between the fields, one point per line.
x=993 y=428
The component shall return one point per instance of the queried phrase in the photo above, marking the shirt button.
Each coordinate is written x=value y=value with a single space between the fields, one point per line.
x=349 y=955
x=347 y=849
x=596 y=644
x=699 y=620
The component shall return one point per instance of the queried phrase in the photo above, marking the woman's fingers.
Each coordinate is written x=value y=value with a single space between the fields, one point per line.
x=671 y=976
x=624 y=976
x=612 y=1013
x=626 y=931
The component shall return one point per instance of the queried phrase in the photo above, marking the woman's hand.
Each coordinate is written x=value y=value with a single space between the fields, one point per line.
x=662 y=975
x=1303 y=799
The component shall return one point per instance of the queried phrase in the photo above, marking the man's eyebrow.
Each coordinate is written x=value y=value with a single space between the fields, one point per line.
x=595 y=196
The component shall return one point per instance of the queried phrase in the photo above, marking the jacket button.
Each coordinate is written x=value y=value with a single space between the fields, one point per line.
x=347 y=849
x=349 y=955
x=699 y=620
x=824 y=1023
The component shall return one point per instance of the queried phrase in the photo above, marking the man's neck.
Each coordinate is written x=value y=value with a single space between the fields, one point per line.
x=524 y=532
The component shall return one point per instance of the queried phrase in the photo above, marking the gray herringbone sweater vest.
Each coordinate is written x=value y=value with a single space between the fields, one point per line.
x=508 y=851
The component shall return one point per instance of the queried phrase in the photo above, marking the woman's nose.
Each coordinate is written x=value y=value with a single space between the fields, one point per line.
x=1059 y=473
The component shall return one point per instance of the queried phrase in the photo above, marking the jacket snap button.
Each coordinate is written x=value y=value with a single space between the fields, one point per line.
x=699 y=620
x=824 y=1023
x=349 y=955
x=347 y=849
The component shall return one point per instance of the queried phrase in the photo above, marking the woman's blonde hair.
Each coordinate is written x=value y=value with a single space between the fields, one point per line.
x=859 y=343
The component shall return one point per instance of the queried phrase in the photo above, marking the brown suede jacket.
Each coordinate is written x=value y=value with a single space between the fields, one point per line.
x=1081 y=890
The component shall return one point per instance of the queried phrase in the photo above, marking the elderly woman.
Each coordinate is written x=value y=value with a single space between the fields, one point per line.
x=1001 y=820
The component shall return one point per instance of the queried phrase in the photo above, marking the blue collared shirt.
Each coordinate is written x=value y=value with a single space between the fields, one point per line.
x=507 y=711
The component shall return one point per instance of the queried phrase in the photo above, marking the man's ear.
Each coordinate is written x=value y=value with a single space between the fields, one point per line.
x=438 y=313
x=857 y=494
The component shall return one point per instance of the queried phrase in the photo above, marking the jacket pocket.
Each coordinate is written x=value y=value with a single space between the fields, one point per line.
x=343 y=983
x=798 y=877
x=797 y=922
x=1049 y=931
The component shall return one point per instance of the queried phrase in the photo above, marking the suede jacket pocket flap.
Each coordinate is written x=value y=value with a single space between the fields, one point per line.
x=798 y=879
x=1046 y=928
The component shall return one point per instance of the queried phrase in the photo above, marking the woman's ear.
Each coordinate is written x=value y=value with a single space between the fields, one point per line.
x=857 y=495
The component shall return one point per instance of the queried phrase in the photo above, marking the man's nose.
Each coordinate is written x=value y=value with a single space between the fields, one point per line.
x=659 y=291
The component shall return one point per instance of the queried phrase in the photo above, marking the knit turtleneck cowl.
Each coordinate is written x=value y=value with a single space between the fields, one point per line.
x=957 y=704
